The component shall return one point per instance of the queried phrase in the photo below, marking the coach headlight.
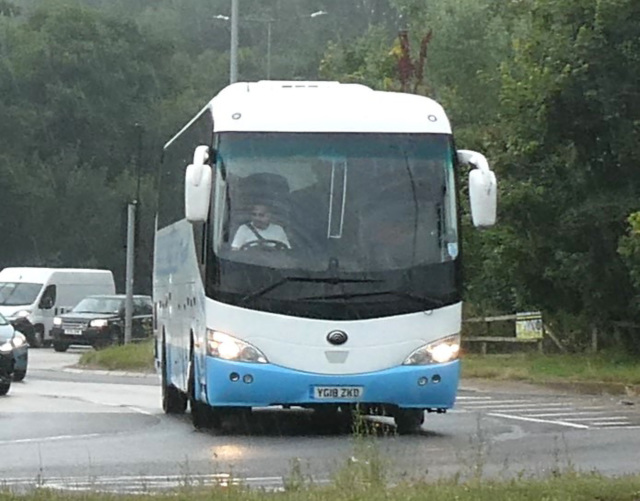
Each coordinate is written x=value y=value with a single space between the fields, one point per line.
x=437 y=352
x=226 y=347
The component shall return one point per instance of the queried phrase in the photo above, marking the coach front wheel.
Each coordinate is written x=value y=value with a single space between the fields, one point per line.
x=408 y=421
x=173 y=400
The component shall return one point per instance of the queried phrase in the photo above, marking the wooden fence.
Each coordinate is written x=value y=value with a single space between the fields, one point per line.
x=533 y=331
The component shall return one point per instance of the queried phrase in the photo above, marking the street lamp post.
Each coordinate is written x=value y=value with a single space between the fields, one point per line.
x=233 y=68
x=233 y=56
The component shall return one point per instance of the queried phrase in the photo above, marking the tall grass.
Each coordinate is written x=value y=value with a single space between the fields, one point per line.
x=566 y=487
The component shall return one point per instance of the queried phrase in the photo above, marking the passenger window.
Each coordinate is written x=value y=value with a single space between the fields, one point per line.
x=48 y=298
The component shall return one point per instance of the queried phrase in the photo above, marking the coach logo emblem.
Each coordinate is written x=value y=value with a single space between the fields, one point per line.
x=337 y=337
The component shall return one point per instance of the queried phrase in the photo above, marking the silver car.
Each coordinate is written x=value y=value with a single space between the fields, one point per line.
x=14 y=344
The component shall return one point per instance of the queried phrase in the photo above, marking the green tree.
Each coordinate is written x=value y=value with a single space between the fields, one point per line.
x=570 y=111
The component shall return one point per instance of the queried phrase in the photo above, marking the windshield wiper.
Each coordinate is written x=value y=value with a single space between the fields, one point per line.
x=428 y=302
x=325 y=280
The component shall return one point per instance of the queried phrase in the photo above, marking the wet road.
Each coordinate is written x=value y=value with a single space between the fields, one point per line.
x=68 y=428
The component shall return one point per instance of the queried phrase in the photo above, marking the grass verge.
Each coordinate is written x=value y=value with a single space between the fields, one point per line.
x=605 y=367
x=565 y=487
x=132 y=357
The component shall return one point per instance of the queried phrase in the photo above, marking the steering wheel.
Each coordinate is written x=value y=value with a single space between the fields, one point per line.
x=265 y=244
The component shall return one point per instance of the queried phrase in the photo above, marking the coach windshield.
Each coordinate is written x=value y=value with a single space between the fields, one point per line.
x=334 y=225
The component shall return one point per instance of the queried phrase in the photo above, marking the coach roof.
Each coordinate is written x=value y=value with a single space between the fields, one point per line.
x=282 y=106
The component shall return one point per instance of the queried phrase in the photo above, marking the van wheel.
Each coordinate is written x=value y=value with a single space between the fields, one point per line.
x=4 y=388
x=59 y=346
x=173 y=400
x=38 y=338
x=408 y=421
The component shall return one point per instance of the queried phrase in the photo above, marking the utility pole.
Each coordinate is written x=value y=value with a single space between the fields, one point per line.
x=128 y=308
x=132 y=234
x=233 y=59
x=269 y=22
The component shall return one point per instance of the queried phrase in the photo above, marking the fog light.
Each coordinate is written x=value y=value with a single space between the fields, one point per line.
x=436 y=379
x=247 y=378
x=422 y=381
x=234 y=376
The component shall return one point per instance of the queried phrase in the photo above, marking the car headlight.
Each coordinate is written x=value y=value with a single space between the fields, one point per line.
x=437 y=352
x=99 y=322
x=19 y=340
x=226 y=347
x=16 y=341
x=21 y=314
x=57 y=321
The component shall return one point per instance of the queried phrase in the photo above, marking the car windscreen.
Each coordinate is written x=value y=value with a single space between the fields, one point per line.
x=98 y=305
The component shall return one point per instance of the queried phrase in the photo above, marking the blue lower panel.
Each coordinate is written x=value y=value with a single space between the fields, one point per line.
x=273 y=385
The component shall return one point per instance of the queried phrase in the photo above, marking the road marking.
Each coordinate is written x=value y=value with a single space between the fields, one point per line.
x=521 y=407
x=634 y=427
x=49 y=439
x=141 y=484
x=479 y=404
x=542 y=421
x=594 y=419
x=576 y=413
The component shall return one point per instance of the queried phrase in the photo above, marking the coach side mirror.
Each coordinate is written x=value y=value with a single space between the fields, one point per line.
x=483 y=189
x=197 y=186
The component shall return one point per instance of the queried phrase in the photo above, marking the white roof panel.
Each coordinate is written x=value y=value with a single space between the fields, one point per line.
x=282 y=106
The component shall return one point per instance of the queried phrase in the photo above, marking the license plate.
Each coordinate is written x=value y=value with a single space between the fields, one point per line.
x=73 y=332
x=337 y=392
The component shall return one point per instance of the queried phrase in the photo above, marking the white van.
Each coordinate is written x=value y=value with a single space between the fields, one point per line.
x=39 y=294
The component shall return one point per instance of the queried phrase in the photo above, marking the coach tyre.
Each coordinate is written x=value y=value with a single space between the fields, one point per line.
x=173 y=400
x=408 y=421
x=201 y=415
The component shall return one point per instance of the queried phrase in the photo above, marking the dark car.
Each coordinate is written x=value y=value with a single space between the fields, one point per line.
x=99 y=321
x=14 y=344
x=6 y=371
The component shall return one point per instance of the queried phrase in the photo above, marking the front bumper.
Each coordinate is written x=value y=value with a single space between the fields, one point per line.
x=6 y=367
x=88 y=336
x=21 y=358
x=273 y=385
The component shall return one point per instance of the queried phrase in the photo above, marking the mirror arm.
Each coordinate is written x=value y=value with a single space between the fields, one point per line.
x=472 y=158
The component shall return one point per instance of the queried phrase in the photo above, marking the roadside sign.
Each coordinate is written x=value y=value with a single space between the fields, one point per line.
x=529 y=325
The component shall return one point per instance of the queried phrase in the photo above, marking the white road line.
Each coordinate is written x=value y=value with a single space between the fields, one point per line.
x=613 y=423
x=537 y=407
x=593 y=419
x=497 y=402
x=634 y=427
x=463 y=397
x=575 y=413
x=543 y=421
x=49 y=439
x=145 y=484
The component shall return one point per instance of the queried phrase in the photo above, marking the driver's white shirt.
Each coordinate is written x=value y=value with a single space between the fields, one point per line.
x=245 y=235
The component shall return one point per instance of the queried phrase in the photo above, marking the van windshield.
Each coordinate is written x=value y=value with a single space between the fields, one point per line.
x=18 y=293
